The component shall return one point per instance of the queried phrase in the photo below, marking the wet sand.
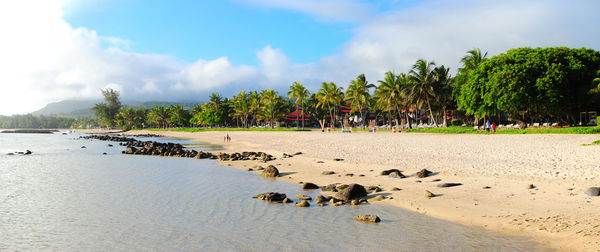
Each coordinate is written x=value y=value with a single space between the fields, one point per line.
x=555 y=212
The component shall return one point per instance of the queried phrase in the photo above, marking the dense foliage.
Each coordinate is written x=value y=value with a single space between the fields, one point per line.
x=532 y=84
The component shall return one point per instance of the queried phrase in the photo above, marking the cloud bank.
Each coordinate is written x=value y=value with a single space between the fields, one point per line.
x=44 y=59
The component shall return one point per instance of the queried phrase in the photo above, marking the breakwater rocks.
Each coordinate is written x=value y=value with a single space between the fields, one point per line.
x=137 y=147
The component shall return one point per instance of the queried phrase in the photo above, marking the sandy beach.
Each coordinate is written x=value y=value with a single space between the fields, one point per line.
x=555 y=212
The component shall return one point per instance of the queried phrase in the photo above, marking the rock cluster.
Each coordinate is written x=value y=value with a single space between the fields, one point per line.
x=368 y=218
x=271 y=197
x=246 y=155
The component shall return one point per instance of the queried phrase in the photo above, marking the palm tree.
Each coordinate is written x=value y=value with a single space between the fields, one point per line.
x=443 y=89
x=255 y=104
x=358 y=94
x=298 y=92
x=215 y=100
x=179 y=116
x=329 y=95
x=159 y=115
x=270 y=100
x=242 y=108
x=407 y=99
x=472 y=60
x=422 y=78
x=388 y=93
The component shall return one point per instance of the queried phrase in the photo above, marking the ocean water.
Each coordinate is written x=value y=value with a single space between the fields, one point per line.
x=67 y=198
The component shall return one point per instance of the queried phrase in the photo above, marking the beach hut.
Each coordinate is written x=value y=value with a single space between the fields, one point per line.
x=297 y=115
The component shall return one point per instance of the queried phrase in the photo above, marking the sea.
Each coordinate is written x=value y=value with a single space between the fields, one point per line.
x=74 y=194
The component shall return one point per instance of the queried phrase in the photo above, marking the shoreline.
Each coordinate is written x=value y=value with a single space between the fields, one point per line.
x=555 y=213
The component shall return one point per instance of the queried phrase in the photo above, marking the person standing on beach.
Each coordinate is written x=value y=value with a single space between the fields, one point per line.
x=494 y=128
x=227 y=138
x=487 y=127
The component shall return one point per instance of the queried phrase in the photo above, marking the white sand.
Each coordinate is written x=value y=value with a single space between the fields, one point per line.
x=556 y=212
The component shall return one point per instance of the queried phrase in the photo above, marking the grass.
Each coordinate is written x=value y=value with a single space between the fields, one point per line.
x=227 y=129
x=470 y=130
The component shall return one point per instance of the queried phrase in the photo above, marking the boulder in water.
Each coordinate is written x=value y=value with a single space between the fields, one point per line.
x=270 y=172
x=353 y=191
x=271 y=197
x=303 y=203
x=310 y=186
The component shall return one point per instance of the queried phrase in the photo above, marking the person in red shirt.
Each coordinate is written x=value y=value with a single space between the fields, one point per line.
x=494 y=128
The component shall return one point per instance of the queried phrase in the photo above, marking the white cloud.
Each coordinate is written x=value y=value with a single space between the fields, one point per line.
x=44 y=59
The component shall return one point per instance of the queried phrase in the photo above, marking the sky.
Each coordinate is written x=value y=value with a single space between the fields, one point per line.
x=151 y=50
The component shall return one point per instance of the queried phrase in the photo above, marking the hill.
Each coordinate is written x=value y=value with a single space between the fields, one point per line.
x=80 y=108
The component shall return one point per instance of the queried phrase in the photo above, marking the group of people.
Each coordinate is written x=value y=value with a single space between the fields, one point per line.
x=489 y=127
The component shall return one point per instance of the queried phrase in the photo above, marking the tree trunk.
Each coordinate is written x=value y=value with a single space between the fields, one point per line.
x=431 y=112
x=297 y=122
x=302 y=115
x=445 y=120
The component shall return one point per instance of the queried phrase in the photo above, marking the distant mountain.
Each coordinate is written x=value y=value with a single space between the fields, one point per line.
x=69 y=108
x=76 y=108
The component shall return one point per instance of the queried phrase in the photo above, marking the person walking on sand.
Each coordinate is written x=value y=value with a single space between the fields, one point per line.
x=227 y=138
x=494 y=128
x=487 y=127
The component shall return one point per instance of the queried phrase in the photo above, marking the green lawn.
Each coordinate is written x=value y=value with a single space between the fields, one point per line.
x=228 y=129
x=470 y=130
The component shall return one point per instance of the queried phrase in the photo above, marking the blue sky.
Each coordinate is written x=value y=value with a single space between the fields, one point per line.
x=210 y=29
x=54 y=50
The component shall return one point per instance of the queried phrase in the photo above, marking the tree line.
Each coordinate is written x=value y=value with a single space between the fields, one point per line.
x=523 y=85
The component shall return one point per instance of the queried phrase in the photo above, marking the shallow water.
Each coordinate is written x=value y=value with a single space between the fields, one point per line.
x=64 y=197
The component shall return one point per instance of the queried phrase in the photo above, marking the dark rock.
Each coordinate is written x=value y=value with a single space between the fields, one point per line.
x=287 y=200
x=423 y=173
x=104 y=153
x=27 y=152
x=298 y=153
x=349 y=174
x=368 y=218
x=353 y=191
x=320 y=162
x=330 y=187
x=449 y=184
x=395 y=189
x=593 y=191
x=250 y=169
x=374 y=189
x=436 y=180
x=110 y=145
x=83 y=147
x=10 y=154
x=270 y=172
x=303 y=197
x=338 y=159
x=418 y=181
x=327 y=173
x=396 y=174
x=310 y=186
x=530 y=186
x=387 y=172
x=486 y=187
x=271 y=197
x=361 y=175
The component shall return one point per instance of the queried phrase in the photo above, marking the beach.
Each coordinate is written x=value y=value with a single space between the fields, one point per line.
x=495 y=171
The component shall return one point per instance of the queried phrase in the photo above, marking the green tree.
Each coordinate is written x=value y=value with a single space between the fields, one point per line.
x=159 y=116
x=388 y=94
x=271 y=106
x=532 y=84
x=178 y=115
x=242 y=107
x=443 y=90
x=423 y=80
x=358 y=95
x=107 y=110
x=298 y=92
x=331 y=95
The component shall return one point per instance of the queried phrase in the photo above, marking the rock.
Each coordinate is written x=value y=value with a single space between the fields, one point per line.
x=349 y=174
x=130 y=150
x=83 y=147
x=387 y=172
x=368 y=218
x=423 y=173
x=436 y=180
x=320 y=162
x=429 y=194
x=330 y=187
x=341 y=187
x=104 y=153
x=449 y=184
x=338 y=159
x=396 y=174
x=353 y=191
x=395 y=189
x=309 y=186
x=418 y=181
x=250 y=169
x=361 y=175
x=27 y=152
x=287 y=200
x=270 y=172
x=377 y=198
x=320 y=199
x=258 y=167
x=298 y=153
x=486 y=187
x=327 y=173
x=10 y=154
x=109 y=145
x=303 y=203
x=593 y=191
x=303 y=197
x=530 y=186
x=354 y=202
x=271 y=197
x=374 y=189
